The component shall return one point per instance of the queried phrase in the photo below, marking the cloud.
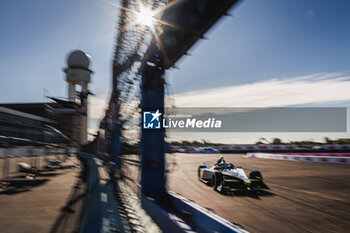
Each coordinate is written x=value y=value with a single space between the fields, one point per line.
x=300 y=90
x=321 y=88
x=97 y=106
x=309 y=89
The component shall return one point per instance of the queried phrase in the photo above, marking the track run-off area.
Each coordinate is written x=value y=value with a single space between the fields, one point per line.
x=303 y=196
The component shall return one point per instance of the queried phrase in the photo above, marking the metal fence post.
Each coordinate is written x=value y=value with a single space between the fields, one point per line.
x=152 y=140
x=116 y=146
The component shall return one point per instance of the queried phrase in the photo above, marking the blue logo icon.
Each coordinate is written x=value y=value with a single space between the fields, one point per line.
x=151 y=120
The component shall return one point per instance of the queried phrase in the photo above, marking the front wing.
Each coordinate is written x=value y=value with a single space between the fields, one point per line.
x=233 y=184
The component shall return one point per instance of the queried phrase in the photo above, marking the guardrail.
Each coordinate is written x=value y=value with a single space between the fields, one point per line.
x=282 y=148
x=182 y=215
x=341 y=158
x=268 y=148
x=100 y=211
x=203 y=219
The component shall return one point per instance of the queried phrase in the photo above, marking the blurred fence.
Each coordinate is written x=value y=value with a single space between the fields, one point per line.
x=34 y=156
x=141 y=57
x=131 y=172
x=132 y=41
x=24 y=151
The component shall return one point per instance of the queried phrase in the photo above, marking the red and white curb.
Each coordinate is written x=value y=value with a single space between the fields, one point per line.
x=343 y=158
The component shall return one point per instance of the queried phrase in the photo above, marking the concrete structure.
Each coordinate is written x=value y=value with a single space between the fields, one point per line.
x=78 y=73
x=20 y=128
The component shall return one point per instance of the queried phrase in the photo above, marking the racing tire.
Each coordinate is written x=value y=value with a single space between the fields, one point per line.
x=216 y=180
x=199 y=171
x=255 y=175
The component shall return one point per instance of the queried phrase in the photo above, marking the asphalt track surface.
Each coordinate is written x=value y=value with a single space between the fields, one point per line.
x=303 y=196
x=39 y=208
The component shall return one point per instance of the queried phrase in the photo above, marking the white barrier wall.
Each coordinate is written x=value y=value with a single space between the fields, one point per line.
x=343 y=158
x=276 y=147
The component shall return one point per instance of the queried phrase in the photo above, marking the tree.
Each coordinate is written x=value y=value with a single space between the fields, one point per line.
x=327 y=140
x=276 y=141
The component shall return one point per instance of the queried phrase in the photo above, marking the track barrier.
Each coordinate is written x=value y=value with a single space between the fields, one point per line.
x=100 y=211
x=341 y=158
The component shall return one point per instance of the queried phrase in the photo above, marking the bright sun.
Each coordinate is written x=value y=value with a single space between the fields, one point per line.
x=145 y=17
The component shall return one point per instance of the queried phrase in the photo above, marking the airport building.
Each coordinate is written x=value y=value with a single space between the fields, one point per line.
x=60 y=121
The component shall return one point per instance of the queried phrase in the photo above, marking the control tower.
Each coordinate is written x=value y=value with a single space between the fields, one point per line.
x=79 y=73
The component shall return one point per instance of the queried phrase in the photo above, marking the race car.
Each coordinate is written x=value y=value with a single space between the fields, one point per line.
x=225 y=177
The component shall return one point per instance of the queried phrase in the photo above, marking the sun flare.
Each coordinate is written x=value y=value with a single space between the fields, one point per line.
x=145 y=17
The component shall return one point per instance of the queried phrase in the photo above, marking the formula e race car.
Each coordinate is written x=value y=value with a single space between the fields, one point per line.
x=225 y=177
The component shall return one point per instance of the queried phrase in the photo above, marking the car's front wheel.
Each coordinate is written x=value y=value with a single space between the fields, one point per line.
x=216 y=180
x=199 y=171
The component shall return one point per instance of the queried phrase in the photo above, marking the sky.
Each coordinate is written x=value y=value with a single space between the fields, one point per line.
x=268 y=53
